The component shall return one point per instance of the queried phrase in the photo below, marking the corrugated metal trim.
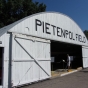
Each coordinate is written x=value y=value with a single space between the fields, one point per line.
x=85 y=47
x=31 y=38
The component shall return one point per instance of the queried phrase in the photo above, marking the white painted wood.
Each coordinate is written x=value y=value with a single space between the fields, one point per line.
x=31 y=60
x=85 y=56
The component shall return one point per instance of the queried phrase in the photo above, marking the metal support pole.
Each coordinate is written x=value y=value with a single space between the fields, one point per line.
x=10 y=62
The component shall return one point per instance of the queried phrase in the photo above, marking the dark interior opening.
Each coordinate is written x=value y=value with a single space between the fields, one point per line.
x=59 y=51
x=1 y=65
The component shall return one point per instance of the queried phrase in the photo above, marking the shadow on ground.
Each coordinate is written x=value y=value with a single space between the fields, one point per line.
x=84 y=71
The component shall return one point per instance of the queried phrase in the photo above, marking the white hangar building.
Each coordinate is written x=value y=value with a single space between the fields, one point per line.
x=26 y=48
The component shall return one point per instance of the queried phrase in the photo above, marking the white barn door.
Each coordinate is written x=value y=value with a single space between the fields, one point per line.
x=31 y=60
x=85 y=56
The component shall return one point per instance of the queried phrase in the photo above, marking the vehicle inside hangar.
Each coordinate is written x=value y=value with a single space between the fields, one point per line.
x=59 y=51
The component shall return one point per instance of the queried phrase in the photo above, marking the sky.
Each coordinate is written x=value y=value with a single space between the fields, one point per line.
x=75 y=9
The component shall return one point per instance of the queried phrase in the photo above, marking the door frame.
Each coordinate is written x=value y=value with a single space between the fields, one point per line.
x=2 y=67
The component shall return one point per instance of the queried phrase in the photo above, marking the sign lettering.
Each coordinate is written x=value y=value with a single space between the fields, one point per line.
x=47 y=27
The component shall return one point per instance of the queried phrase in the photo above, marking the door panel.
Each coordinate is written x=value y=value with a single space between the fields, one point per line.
x=85 y=56
x=31 y=61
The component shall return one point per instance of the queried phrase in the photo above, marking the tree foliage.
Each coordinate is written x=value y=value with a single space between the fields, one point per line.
x=86 y=33
x=13 y=10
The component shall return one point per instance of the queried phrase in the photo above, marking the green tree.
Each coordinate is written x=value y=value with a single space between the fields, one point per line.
x=86 y=33
x=2 y=10
x=13 y=10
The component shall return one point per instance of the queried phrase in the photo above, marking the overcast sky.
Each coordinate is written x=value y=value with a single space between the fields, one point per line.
x=75 y=9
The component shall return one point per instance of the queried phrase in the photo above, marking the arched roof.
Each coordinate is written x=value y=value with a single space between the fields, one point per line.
x=49 y=25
